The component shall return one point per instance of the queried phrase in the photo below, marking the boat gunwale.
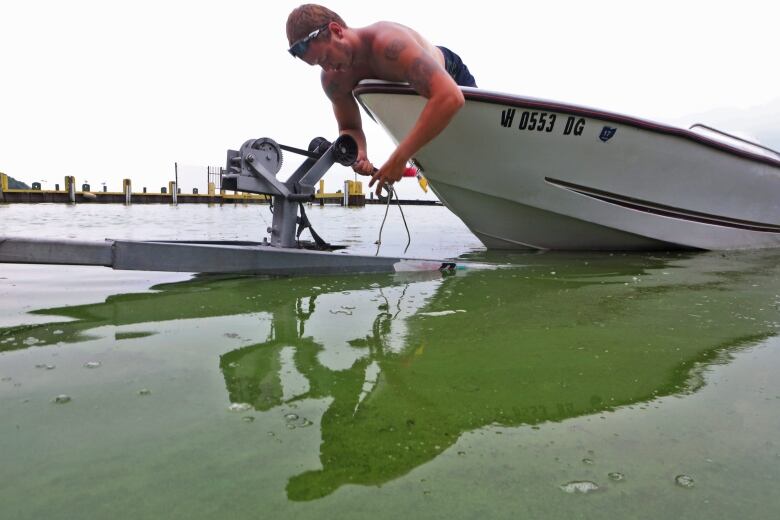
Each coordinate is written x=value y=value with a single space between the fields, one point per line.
x=515 y=101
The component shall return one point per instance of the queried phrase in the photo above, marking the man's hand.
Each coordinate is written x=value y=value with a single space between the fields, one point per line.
x=389 y=173
x=363 y=166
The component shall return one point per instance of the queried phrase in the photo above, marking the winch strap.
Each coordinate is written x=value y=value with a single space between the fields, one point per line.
x=303 y=223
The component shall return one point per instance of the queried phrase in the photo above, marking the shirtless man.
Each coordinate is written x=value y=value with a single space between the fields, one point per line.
x=387 y=51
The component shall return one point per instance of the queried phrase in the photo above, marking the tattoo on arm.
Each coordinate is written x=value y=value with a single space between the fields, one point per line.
x=331 y=87
x=420 y=74
x=393 y=50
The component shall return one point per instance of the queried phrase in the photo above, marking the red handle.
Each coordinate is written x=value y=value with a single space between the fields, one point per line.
x=409 y=171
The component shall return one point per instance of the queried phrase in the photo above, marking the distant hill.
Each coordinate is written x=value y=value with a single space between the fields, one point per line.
x=13 y=184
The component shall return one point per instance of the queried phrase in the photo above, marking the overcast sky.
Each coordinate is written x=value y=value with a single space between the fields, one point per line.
x=105 y=90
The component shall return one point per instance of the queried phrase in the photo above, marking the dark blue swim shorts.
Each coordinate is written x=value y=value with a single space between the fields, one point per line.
x=457 y=69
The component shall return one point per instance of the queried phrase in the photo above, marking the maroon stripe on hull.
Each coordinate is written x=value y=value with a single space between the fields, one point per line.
x=663 y=210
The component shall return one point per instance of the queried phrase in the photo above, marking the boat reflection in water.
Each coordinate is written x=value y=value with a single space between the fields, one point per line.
x=405 y=366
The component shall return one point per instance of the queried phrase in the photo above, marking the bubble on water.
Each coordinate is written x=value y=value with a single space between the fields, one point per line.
x=92 y=364
x=587 y=461
x=580 y=486
x=58 y=332
x=616 y=476
x=144 y=391
x=293 y=421
x=248 y=419
x=685 y=481
x=461 y=453
x=50 y=367
x=61 y=399
x=239 y=407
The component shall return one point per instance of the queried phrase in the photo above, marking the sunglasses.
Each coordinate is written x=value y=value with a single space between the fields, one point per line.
x=300 y=47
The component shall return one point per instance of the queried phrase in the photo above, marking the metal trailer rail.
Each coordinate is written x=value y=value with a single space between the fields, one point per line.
x=203 y=257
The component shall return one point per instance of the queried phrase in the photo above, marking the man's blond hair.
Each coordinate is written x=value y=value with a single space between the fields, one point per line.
x=308 y=17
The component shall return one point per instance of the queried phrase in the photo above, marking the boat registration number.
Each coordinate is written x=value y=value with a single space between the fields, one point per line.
x=533 y=121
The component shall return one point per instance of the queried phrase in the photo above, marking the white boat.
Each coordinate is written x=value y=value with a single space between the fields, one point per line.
x=526 y=173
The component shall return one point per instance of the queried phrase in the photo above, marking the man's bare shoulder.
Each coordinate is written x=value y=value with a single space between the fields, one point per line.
x=386 y=34
x=382 y=28
x=396 y=47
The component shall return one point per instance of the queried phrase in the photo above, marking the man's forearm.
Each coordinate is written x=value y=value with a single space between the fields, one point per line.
x=436 y=115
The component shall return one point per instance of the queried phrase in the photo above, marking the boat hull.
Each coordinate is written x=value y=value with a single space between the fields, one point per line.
x=524 y=173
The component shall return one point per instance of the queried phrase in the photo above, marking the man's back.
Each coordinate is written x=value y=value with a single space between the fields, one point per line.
x=383 y=50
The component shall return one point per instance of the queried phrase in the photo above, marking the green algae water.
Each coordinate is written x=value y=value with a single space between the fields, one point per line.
x=554 y=386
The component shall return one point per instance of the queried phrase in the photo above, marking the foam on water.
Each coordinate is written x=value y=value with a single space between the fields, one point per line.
x=580 y=486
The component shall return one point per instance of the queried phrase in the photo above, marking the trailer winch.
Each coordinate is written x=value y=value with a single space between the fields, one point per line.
x=252 y=169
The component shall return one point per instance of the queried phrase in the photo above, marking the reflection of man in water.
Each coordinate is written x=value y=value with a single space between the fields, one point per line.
x=574 y=344
x=387 y=51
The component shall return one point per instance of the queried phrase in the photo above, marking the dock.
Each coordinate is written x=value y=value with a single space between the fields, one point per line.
x=352 y=195
x=70 y=194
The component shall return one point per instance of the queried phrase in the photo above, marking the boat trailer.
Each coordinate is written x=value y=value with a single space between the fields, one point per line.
x=251 y=169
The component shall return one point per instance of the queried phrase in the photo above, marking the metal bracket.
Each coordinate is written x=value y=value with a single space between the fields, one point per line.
x=253 y=169
x=746 y=141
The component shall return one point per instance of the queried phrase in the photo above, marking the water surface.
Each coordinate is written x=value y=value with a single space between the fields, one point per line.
x=559 y=386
